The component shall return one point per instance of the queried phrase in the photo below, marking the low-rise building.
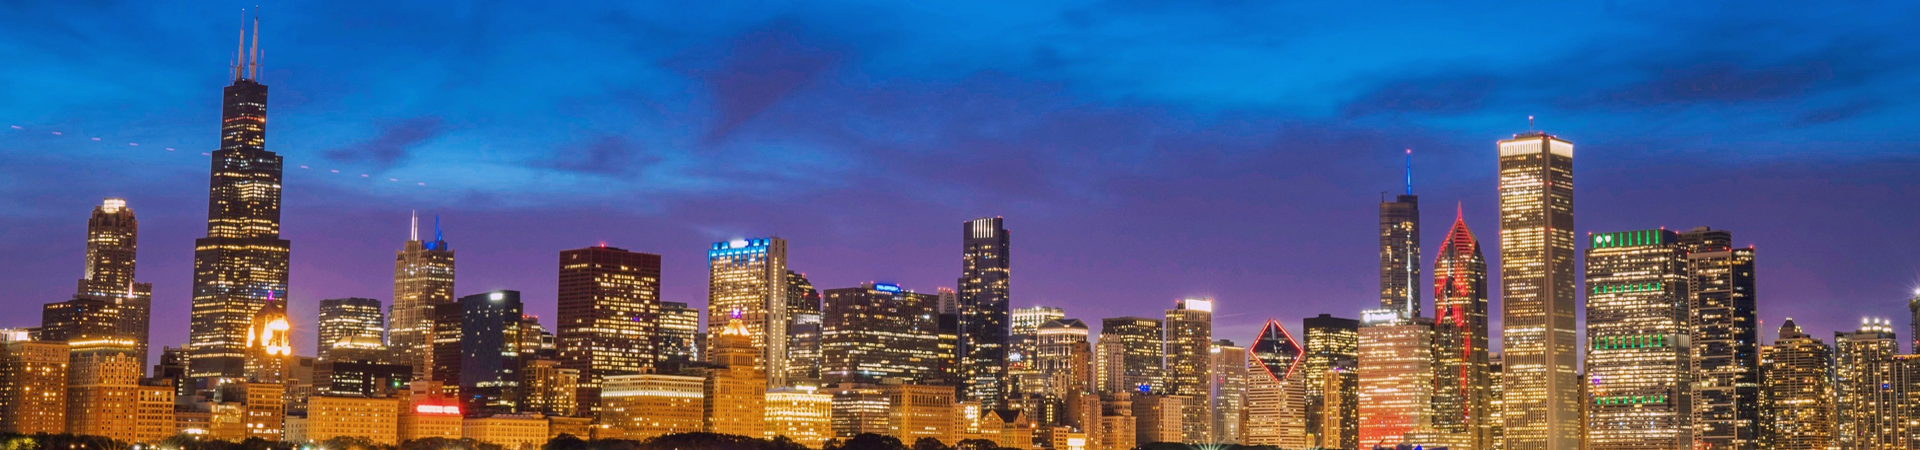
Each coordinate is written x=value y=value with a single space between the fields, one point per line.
x=802 y=415
x=643 y=406
x=512 y=431
x=375 y=419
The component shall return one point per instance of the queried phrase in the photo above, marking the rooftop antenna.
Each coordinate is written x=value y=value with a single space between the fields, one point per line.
x=1409 y=171
x=253 y=69
x=416 y=226
x=436 y=228
x=1529 y=117
x=240 y=49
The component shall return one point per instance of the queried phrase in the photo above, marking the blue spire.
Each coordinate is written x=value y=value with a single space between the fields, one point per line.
x=437 y=237
x=1409 y=171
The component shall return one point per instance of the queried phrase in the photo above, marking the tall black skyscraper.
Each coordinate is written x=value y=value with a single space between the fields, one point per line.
x=242 y=263
x=1400 y=251
x=477 y=346
x=1725 y=332
x=984 y=310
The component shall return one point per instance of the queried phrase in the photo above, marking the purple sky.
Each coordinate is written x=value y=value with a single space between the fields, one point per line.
x=1139 y=152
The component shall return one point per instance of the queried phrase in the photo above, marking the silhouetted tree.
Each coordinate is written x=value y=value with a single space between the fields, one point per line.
x=867 y=441
x=927 y=443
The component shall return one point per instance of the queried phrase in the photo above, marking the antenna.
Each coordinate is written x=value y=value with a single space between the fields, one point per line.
x=1409 y=171
x=253 y=71
x=416 y=226
x=240 y=49
x=1529 y=123
x=436 y=228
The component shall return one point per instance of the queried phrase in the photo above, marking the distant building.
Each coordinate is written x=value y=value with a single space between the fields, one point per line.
x=476 y=348
x=1725 y=336
x=1864 y=380
x=512 y=431
x=423 y=277
x=1461 y=383
x=985 y=267
x=1160 y=418
x=1189 y=338
x=1330 y=341
x=1396 y=375
x=1133 y=352
x=803 y=329
x=1637 y=349
x=736 y=390
x=1276 y=393
x=1228 y=396
x=375 y=419
x=429 y=413
x=1799 y=391
x=112 y=236
x=803 y=415
x=103 y=395
x=1538 y=294
x=1063 y=359
x=1400 y=251
x=344 y=318
x=650 y=405
x=748 y=281
x=679 y=336
x=609 y=316
x=878 y=331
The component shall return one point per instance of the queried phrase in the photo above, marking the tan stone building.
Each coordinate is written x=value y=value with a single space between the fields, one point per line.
x=376 y=419
x=33 y=375
x=804 y=415
x=643 y=406
x=736 y=391
x=428 y=413
x=513 y=431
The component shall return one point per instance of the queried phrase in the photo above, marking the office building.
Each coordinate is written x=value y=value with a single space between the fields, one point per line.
x=269 y=356
x=103 y=395
x=1276 y=395
x=423 y=277
x=511 y=431
x=1537 y=293
x=736 y=389
x=1189 y=336
x=609 y=316
x=1160 y=418
x=1725 y=336
x=1396 y=373
x=1228 y=395
x=649 y=405
x=241 y=265
x=803 y=329
x=1135 y=354
x=1869 y=406
x=112 y=238
x=1637 y=353
x=879 y=331
x=918 y=411
x=949 y=350
x=984 y=304
x=375 y=419
x=549 y=388
x=748 y=281
x=1798 y=372
x=429 y=413
x=679 y=336
x=88 y=325
x=1063 y=359
x=361 y=378
x=1400 y=250
x=803 y=415
x=858 y=408
x=1026 y=323
x=1330 y=341
x=476 y=351
x=343 y=318
x=1339 y=409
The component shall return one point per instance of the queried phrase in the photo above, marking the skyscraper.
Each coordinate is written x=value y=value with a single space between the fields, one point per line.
x=89 y=324
x=1137 y=353
x=1021 y=341
x=1276 y=399
x=609 y=316
x=1397 y=369
x=1189 y=337
x=1799 y=391
x=1400 y=250
x=1461 y=383
x=269 y=357
x=877 y=331
x=985 y=265
x=679 y=331
x=1228 y=395
x=1537 y=294
x=748 y=281
x=422 y=279
x=112 y=235
x=477 y=342
x=1331 y=342
x=1063 y=358
x=1725 y=335
x=1637 y=349
x=33 y=380
x=242 y=263
x=1913 y=307
x=803 y=331
x=736 y=389
x=348 y=321
x=1869 y=406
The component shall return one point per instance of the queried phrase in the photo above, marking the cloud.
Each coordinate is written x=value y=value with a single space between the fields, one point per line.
x=392 y=144
x=764 y=66
x=610 y=155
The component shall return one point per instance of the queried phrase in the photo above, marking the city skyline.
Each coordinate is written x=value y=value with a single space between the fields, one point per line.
x=347 y=232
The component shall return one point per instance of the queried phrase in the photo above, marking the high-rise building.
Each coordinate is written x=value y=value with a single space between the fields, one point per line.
x=1340 y=426
x=1228 y=396
x=1276 y=396
x=476 y=351
x=241 y=265
x=1400 y=250
x=985 y=265
x=736 y=390
x=1868 y=405
x=1460 y=337
x=1537 y=294
x=102 y=393
x=1725 y=335
x=1022 y=343
x=422 y=279
x=679 y=334
x=1136 y=354
x=33 y=384
x=949 y=368
x=1913 y=307
x=1161 y=418
x=112 y=235
x=1397 y=369
x=345 y=318
x=1331 y=342
x=1637 y=348
x=1798 y=370
x=550 y=388
x=609 y=316
x=877 y=331
x=1189 y=336
x=803 y=331
x=748 y=281
x=269 y=354
x=88 y=324
x=1497 y=426
x=1063 y=358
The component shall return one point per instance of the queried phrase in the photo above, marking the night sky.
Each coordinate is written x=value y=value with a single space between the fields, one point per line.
x=1140 y=151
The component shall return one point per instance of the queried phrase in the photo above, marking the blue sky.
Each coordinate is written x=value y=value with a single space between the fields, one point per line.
x=1141 y=151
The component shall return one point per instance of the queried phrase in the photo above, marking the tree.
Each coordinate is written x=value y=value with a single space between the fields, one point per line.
x=564 y=442
x=927 y=443
x=976 y=444
x=868 y=441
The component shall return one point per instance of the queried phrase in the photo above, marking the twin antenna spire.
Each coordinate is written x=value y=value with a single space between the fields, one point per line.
x=246 y=63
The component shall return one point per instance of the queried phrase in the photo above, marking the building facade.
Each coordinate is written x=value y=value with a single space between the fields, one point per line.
x=609 y=316
x=1537 y=294
x=1134 y=352
x=1189 y=338
x=748 y=281
x=344 y=318
x=1637 y=334
x=1869 y=406
x=1400 y=253
x=1461 y=383
x=803 y=415
x=1725 y=336
x=985 y=265
x=112 y=244
x=1276 y=396
x=423 y=277
x=877 y=331
x=650 y=405
x=736 y=389
x=1331 y=342
x=1798 y=371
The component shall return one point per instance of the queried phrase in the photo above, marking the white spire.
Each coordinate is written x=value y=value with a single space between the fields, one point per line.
x=416 y=225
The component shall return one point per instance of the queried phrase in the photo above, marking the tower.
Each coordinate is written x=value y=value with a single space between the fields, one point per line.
x=1461 y=383
x=1864 y=378
x=1637 y=352
x=1333 y=351
x=803 y=331
x=748 y=278
x=1799 y=391
x=270 y=345
x=736 y=391
x=241 y=265
x=423 y=275
x=1189 y=337
x=877 y=331
x=112 y=235
x=1541 y=395
x=609 y=316
x=349 y=323
x=1400 y=250
x=1725 y=336
x=983 y=302
x=1134 y=353
x=1276 y=396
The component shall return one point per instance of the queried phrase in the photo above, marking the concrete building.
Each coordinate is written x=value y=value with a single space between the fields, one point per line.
x=649 y=405
x=802 y=415
x=512 y=431
x=375 y=419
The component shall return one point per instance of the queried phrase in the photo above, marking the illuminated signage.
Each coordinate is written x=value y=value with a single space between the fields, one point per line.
x=886 y=287
x=437 y=409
